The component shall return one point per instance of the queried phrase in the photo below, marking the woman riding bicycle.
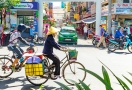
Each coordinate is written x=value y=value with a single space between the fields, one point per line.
x=48 y=50
x=13 y=41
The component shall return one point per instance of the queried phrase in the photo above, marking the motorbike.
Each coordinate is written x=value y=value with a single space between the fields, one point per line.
x=96 y=39
x=36 y=40
x=113 y=45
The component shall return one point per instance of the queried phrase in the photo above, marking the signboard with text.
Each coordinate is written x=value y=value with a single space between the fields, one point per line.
x=122 y=8
x=26 y=5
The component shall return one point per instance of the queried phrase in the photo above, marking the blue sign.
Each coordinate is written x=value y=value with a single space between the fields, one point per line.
x=26 y=5
x=35 y=22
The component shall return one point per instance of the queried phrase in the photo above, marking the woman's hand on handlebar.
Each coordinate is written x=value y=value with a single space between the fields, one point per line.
x=64 y=49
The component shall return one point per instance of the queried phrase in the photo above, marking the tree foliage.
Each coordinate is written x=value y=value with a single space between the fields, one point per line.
x=8 y=3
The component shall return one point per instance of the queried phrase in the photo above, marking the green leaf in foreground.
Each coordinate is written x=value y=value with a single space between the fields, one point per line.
x=98 y=77
x=128 y=80
x=79 y=87
x=84 y=85
x=130 y=73
x=124 y=86
x=106 y=76
x=63 y=86
x=41 y=86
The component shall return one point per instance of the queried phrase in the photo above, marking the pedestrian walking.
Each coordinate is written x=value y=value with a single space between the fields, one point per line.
x=102 y=37
x=85 y=29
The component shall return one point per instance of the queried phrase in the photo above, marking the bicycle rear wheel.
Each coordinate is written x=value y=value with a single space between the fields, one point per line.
x=38 y=80
x=5 y=64
x=70 y=72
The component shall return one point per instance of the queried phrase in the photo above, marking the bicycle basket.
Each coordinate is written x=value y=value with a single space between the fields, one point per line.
x=73 y=54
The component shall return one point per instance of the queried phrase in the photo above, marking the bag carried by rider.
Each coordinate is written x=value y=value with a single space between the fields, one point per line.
x=34 y=66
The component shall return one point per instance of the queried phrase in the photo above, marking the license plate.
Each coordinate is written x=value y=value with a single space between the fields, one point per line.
x=68 y=39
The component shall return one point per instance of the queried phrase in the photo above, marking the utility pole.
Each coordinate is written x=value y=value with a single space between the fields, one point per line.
x=109 y=16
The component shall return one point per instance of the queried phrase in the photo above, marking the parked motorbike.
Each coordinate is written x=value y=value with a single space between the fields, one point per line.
x=96 y=39
x=36 y=40
x=113 y=45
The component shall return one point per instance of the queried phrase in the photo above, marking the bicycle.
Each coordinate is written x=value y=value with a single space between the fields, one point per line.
x=7 y=62
x=64 y=66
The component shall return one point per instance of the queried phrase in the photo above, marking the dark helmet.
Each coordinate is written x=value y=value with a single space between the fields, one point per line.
x=21 y=27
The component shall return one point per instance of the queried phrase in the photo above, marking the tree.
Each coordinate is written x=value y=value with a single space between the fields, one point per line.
x=8 y=3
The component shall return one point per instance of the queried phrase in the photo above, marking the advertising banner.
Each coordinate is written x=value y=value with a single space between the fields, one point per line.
x=26 y=5
x=122 y=8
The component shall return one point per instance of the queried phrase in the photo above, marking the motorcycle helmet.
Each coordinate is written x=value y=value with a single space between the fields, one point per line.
x=119 y=27
x=21 y=27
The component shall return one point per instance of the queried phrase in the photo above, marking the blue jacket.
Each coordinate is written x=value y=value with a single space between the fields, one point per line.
x=49 y=44
x=118 y=34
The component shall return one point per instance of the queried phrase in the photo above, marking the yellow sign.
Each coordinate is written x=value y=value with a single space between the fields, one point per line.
x=68 y=7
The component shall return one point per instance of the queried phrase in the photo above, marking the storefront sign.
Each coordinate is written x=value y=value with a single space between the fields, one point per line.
x=122 y=8
x=104 y=11
x=26 y=5
x=93 y=9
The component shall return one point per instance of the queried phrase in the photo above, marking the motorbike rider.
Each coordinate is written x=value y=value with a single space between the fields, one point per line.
x=119 y=37
x=13 y=44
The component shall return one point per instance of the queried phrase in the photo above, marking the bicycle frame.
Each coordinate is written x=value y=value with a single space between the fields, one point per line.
x=67 y=60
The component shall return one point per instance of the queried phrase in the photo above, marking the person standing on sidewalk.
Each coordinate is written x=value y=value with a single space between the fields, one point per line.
x=32 y=33
x=102 y=37
x=85 y=29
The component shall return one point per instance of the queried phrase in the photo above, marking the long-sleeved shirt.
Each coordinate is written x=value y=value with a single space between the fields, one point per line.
x=102 y=31
x=49 y=44
x=118 y=34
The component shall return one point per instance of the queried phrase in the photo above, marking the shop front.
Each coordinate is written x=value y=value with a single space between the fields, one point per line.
x=25 y=13
x=123 y=12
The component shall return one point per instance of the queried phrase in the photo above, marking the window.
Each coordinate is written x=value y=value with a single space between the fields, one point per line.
x=125 y=1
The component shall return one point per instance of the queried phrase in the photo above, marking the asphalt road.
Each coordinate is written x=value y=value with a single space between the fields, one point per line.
x=119 y=62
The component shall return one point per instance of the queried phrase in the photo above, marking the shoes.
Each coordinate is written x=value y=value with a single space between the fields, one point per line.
x=13 y=68
x=58 y=76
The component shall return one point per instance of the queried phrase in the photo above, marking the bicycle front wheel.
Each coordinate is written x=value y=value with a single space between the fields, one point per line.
x=5 y=64
x=71 y=71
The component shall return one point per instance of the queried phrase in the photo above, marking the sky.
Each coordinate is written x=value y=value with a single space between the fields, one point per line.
x=56 y=4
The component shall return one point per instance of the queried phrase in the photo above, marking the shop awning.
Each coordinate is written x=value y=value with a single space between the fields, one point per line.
x=89 y=20
x=78 y=21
